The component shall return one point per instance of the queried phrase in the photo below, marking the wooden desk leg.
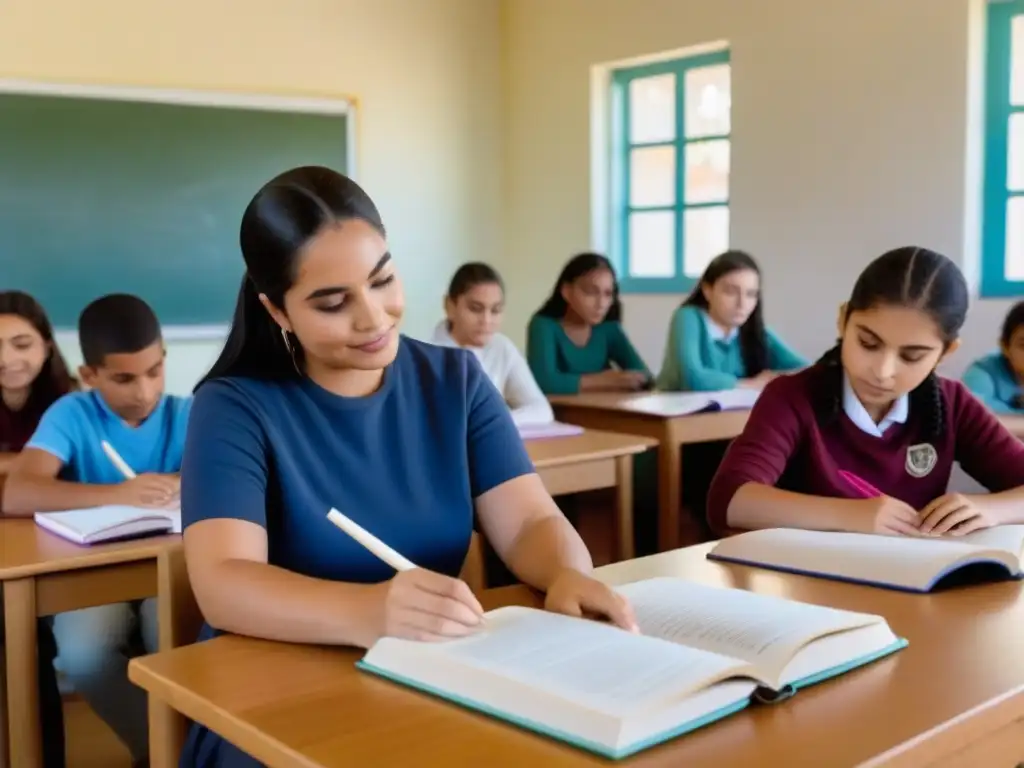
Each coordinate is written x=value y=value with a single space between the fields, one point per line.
x=26 y=736
x=669 y=489
x=3 y=701
x=166 y=734
x=624 y=502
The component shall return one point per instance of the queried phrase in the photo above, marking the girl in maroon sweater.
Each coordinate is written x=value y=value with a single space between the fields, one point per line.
x=865 y=439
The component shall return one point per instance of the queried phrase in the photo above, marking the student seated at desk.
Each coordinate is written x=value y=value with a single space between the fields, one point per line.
x=473 y=308
x=33 y=375
x=865 y=439
x=717 y=339
x=575 y=342
x=998 y=379
x=64 y=466
x=317 y=401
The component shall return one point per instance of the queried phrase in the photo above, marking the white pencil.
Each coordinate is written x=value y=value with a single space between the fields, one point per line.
x=117 y=461
x=371 y=542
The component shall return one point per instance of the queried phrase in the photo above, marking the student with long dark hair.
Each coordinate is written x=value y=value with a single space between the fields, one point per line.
x=33 y=375
x=718 y=339
x=473 y=308
x=575 y=342
x=317 y=401
x=873 y=414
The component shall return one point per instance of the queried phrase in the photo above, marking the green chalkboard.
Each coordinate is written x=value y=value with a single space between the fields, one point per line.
x=102 y=196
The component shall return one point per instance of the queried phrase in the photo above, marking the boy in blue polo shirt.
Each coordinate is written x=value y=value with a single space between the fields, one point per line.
x=64 y=466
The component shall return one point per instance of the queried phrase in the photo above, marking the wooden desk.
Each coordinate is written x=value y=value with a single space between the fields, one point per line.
x=592 y=461
x=954 y=698
x=648 y=414
x=43 y=574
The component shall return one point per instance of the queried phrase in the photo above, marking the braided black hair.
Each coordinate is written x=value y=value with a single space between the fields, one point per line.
x=905 y=277
x=752 y=336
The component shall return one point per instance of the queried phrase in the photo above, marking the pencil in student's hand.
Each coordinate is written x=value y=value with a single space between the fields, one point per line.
x=117 y=461
x=371 y=542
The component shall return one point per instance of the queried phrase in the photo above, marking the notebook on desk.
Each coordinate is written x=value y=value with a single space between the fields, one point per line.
x=688 y=403
x=912 y=564
x=704 y=654
x=109 y=523
x=548 y=430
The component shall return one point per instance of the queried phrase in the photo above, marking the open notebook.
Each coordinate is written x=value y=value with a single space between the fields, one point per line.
x=913 y=564
x=99 y=524
x=687 y=403
x=704 y=653
x=547 y=430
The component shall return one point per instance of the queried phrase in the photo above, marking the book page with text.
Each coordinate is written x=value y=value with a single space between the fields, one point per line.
x=765 y=631
x=592 y=664
x=897 y=560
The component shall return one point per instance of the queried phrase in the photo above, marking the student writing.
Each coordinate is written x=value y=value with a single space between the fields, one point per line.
x=63 y=466
x=996 y=379
x=575 y=342
x=317 y=401
x=874 y=407
x=33 y=375
x=473 y=309
x=717 y=339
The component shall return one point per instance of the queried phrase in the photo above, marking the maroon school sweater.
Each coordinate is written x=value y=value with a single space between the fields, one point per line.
x=783 y=445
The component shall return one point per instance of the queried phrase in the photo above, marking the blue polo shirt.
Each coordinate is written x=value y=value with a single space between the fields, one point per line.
x=75 y=426
x=994 y=383
x=405 y=463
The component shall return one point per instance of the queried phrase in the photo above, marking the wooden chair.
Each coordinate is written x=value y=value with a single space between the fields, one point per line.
x=180 y=620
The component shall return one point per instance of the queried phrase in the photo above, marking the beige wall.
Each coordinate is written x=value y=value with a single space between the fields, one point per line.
x=426 y=74
x=851 y=128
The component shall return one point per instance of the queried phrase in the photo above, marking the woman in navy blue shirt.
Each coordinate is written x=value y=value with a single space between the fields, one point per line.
x=317 y=401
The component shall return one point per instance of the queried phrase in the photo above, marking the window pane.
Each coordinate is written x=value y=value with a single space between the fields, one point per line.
x=652 y=176
x=1017 y=62
x=1015 y=153
x=708 y=101
x=707 y=171
x=652 y=109
x=706 y=236
x=652 y=244
x=1015 y=238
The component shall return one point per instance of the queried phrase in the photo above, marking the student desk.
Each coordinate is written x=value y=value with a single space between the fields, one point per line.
x=651 y=415
x=592 y=461
x=955 y=697
x=1014 y=423
x=43 y=574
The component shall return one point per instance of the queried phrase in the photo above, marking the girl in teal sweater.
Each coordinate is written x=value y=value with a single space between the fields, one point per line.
x=717 y=339
x=575 y=342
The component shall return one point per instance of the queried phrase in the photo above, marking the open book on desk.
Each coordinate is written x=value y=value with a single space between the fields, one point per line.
x=109 y=523
x=908 y=563
x=703 y=654
x=689 y=403
x=548 y=430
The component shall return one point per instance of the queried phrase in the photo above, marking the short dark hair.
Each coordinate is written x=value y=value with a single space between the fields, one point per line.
x=470 y=275
x=116 y=324
x=579 y=265
x=1014 y=320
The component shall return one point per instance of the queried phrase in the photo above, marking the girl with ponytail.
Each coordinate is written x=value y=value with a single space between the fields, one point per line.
x=865 y=439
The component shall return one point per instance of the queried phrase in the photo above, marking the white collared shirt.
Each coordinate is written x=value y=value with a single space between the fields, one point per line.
x=858 y=414
x=508 y=370
x=715 y=331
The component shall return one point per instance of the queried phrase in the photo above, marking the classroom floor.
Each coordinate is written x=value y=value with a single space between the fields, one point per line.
x=90 y=743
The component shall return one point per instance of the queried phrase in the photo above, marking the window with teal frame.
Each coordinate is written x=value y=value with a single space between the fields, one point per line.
x=670 y=133
x=1002 y=267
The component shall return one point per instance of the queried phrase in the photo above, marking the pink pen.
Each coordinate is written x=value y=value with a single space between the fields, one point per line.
x=863 y=486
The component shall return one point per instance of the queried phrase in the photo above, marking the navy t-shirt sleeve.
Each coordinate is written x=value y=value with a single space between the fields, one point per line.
x=224 y=468
x=495 y=449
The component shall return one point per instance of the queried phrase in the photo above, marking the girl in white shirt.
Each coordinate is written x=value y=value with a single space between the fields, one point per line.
x=473 y=307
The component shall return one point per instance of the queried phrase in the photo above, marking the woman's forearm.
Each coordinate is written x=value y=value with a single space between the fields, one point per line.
x=260 y=600
x=545 y=548
x=761 y=506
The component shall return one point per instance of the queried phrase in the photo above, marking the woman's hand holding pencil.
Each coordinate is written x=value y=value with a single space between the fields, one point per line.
x=423 y=605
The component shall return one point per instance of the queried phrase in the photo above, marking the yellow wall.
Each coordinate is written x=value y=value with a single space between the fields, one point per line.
x=426 y=74
x=851 y=128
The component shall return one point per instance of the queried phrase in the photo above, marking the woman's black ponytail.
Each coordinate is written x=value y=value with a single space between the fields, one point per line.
x=910 y=277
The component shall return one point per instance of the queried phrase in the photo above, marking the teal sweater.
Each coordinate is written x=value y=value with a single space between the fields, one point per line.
x=695 y=361
x=557 y=363
x=992 y=381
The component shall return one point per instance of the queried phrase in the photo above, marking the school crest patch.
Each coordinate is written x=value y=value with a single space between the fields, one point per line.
x=921 y=459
